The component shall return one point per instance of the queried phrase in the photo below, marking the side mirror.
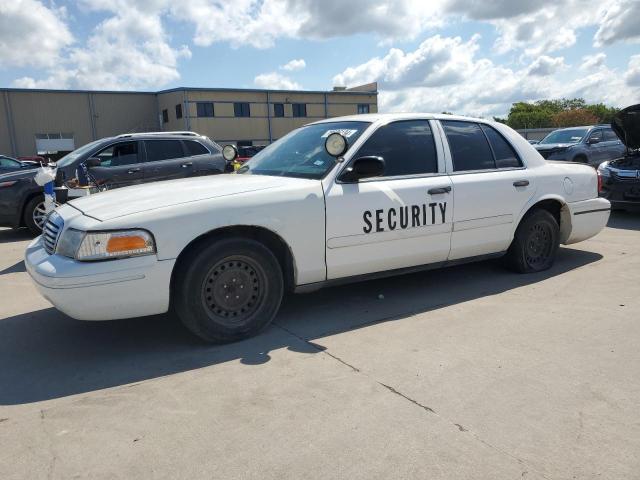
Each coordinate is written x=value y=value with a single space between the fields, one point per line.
x=229 y=153
x=593 y=140
x=92 y=162
x=363 y=167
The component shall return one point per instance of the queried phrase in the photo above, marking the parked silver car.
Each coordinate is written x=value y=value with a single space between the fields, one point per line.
x=591 y=145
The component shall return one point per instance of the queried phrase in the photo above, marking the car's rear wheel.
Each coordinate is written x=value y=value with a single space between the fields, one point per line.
x=228 y=290
x=535 y=243
x=35 y=215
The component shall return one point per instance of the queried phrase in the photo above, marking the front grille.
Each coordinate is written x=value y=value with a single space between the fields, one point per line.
x=51 y=232
x=625 y=176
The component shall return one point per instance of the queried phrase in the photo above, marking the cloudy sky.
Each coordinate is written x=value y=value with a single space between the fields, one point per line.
x=466 y=56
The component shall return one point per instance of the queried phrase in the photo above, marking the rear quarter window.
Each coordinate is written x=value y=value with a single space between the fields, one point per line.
x=195 y=148
x=505 y=155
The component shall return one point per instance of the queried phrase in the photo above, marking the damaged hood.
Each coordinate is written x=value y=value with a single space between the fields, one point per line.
x=152 y=196
x=626 y=124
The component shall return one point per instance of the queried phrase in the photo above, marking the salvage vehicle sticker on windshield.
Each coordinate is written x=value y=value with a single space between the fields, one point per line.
x=345 y=132
x=409 y=216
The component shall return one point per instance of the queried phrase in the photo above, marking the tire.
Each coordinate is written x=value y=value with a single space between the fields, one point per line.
x=581 y=159
x=34 y=215
x=535 y=243
x=209 y=278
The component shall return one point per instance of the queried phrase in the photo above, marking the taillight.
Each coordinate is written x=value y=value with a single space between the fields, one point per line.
x=599 y=181
x=10 y=183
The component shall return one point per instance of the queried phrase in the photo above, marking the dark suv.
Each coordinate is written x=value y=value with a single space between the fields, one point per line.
x=620 y=178
x=114 y=162
x=591 y=145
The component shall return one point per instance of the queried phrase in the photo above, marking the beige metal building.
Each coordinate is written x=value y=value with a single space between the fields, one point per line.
x=37 y=121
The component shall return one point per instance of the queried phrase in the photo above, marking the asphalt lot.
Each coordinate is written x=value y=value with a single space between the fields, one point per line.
x=467 y=372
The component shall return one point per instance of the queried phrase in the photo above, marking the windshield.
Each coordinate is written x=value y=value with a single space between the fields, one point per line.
x=71 y=157
x=573 y=135
x=301 y=153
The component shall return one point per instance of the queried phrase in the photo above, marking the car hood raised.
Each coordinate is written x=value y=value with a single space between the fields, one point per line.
x=151 y=196
x=626 y=124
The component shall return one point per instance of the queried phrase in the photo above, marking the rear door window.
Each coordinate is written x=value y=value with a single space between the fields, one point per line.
x=505 y=155
x=163 y=150
x=610 y=135
x=469 y=147
x=406 y=146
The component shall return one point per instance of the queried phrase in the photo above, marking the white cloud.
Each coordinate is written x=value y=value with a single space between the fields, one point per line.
x=275 y=81
x=589 y=62
x=294 y=65
x=437 y=61
x=260 y=23
x=544 y=66
x=632 y=76
x=447 y=74
x=31 y=34
x=619 y=23
x=128 y=50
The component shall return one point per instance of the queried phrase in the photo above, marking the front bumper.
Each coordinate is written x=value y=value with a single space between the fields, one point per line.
x=107 y=290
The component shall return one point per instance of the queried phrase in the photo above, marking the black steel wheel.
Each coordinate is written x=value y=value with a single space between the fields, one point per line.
x=535 y=242
x=228 y=290
x=233 y=290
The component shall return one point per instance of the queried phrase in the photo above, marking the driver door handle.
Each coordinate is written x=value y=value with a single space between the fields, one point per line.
x=436 y=191
x=133 y=170
x=521 y=183
x=188 y=164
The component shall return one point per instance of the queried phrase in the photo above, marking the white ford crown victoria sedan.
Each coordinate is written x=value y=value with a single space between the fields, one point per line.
x=333 y=201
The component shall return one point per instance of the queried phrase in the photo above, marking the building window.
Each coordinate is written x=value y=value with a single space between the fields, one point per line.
x=363 y=108
x=241 y=109
x=299 y=109
x=204 y=109
x=278 y=109
x=179 y=110
x=165 y=116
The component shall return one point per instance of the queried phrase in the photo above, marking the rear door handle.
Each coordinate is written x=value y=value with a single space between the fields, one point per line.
x=436 y=191
x=188 y=164
x=133 y=170
x=521 y=183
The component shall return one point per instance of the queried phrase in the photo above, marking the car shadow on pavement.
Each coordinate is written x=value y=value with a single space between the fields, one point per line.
x=9 y=235
x=624 y=220
x=17 y=268
x=46 y=355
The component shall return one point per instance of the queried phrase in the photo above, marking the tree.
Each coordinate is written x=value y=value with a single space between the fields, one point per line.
x=551 y=113
x=603 y=113
x=574 y=118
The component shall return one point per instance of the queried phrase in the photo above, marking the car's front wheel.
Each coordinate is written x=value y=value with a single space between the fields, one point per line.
x=535 y=243
x=35 y=215
x=228 y=290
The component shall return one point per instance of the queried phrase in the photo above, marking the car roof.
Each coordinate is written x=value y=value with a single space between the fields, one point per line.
x=375 y=117
x=180 y=134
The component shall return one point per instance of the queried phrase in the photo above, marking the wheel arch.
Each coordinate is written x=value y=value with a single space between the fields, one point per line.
x=557 y=207
x=274 y=242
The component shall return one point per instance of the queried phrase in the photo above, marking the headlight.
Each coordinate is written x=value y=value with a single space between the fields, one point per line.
x=603 y=169
x=87 y=246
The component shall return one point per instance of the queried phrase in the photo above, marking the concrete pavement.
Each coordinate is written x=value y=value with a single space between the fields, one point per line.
x=467 y=372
